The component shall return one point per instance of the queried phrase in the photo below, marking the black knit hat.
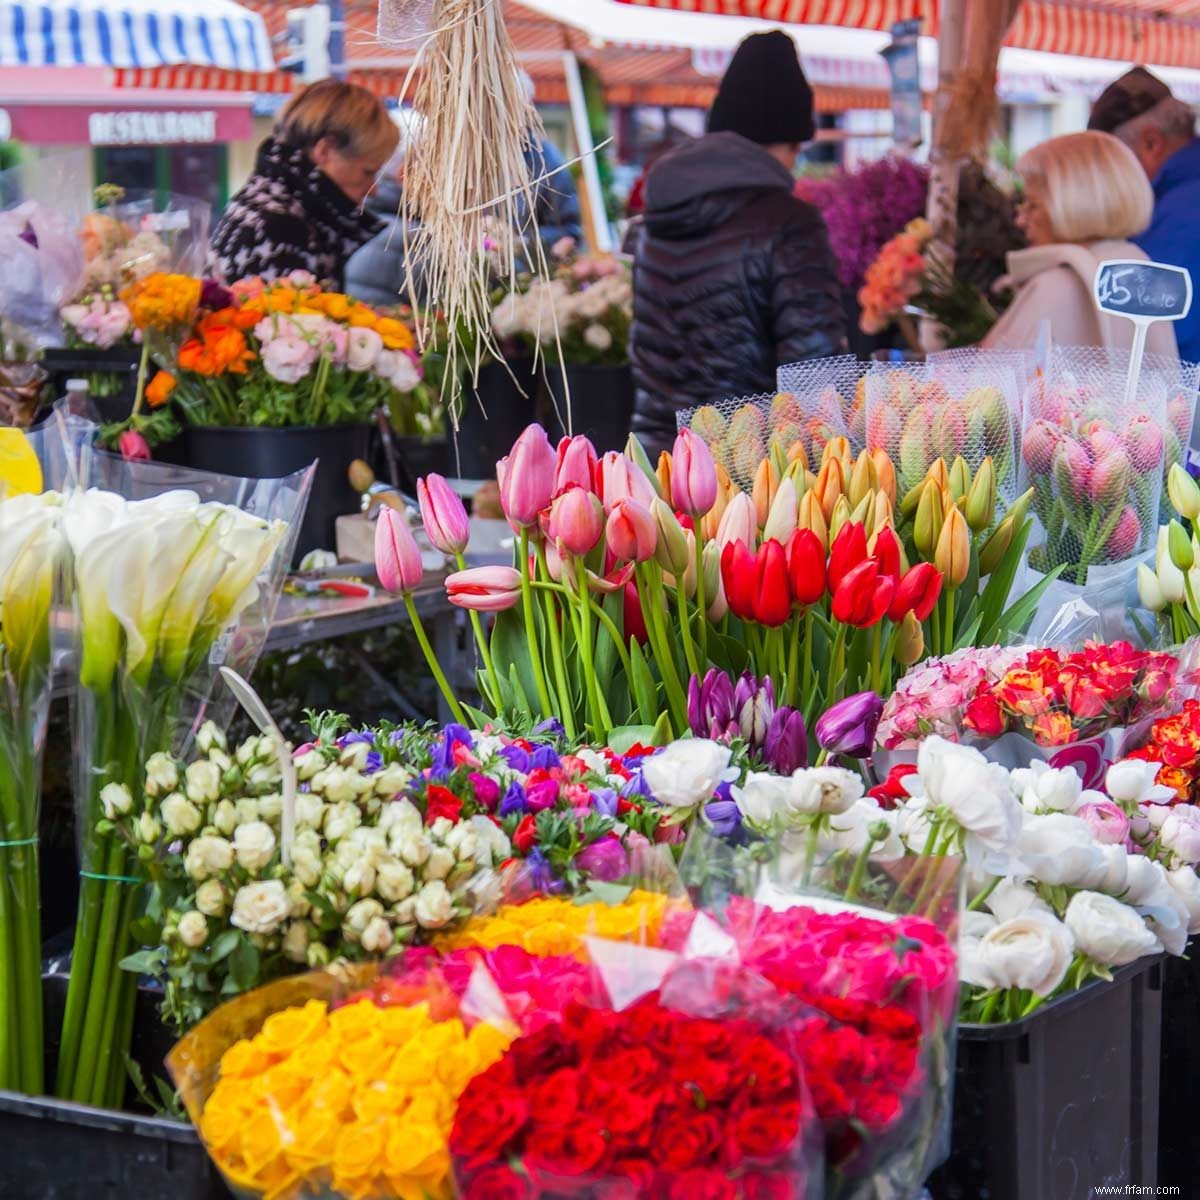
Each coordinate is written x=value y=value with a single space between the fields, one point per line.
x=764 y=95
x=1136 y=92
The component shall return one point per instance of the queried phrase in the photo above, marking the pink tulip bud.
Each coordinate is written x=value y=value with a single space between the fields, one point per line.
x=1072 y=468
x=576 y=464
x=621 y=479
x=1108 y=483
x=1038 y=446
x=484 y=589
x=1144 y=440
x=739 y=522
x=576 y=520
x=693 y=475
x=397 y=556
x=446 y=522
x=133 y=446
x=631 y=532
x=526 y=477
x=1123 y=540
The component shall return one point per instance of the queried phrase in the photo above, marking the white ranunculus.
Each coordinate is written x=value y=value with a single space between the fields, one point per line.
x=1180 y=833
x=913 y=824
x=1112 y=871
x=1042 y=788
x=377 y=937
x=210 y=898
x=975 y=793
x=1131 y=781
x=405 y=373
x=162 y=774
x=825 y=789
x=688 y=772
x=855 y=829
x=1010 y=899
x=394 y=881
x=1032 y=952
x=225 y=817
x=115 y=800
x=1056 y=848
x=179 y=815
x=763 y=797
x=254 y=844
x=434 y=907
x=193 y=930
x=1186 y=885
x=1107 y=931
x=362 y=348
x=295 y=942
x=207 y=856
x=260 y=907
x=971 y=969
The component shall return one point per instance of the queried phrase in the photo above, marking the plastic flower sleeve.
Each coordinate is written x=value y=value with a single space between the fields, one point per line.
x=175 y=574
x=43 y=269
x=737 y=432
x=323 y=1085
x=831 y=395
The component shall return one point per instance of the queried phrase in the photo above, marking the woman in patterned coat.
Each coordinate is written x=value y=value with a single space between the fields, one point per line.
x=301 y=210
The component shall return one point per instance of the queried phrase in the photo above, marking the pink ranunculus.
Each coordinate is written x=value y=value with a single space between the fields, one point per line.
x=1107 y=821
x=362 y=348
x=248 y=288
x=288 y=359
x=1180 y=832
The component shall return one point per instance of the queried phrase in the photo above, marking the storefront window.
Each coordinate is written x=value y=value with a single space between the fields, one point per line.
x=201 y=171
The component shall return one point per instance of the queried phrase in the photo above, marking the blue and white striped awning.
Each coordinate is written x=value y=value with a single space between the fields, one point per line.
x=133 y=33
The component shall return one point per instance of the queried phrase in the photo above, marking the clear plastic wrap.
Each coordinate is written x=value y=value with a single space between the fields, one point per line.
x=737 y=432
x=43 y=270
x=175 y=574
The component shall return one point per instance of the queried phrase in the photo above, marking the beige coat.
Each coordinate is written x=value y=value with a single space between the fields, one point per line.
x=1054 y=283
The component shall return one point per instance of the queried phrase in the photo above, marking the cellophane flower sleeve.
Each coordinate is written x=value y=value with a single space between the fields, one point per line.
x=831 y=395
x=175 y=574
x=31 y=562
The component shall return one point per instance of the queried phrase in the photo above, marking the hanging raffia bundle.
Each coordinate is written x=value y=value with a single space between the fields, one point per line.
x=468 y=191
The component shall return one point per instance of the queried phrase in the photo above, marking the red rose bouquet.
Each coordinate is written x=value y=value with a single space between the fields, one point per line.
x=1174 y=741
x=645 y=1102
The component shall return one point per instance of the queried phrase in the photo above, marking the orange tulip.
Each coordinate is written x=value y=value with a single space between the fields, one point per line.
x=828 y=487
x=885 y=473
x=766 y=484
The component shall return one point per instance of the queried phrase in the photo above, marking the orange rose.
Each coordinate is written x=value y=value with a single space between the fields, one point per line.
x=159 y=389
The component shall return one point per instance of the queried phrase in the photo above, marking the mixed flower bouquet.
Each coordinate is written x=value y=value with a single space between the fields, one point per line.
x=582 y=310
x=98 y=319
x=1174 y=744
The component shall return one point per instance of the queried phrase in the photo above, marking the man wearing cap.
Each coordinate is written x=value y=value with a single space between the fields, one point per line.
x=1161 y=130
x=733 y=276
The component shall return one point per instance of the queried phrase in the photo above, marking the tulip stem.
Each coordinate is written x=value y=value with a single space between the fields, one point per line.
x=601 y=718
x=615 y=634
x=434 y=666
x=531 y=633
x=562 y=686
x=701 y=600
x=493 y=684
x=791 y=680
x=807 y=693
x=949 y=630
x=689 y=651
x=652 y=604
x=877 y=657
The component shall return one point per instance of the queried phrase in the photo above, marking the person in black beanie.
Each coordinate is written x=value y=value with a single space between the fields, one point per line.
x=733 y=275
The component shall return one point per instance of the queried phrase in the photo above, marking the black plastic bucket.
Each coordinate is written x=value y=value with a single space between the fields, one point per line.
x=273 y=453
x=1179 y=1076
x=1062 y=1103
x=601 y=403
x=503 y=401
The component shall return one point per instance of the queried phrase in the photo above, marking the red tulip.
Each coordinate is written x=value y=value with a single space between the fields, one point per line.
x=635 y=619
x=849 y=549
x=806 y=567
x=863 y=596
x=773 y=593
x=526 y=477
x=577 y=463
x=916 y=593
x=133 y=446
x=576 y=520
x=887 y=552
x=737 y=573
x=631 y=532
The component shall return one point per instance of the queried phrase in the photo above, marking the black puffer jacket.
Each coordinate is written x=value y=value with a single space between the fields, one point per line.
x=733 y=277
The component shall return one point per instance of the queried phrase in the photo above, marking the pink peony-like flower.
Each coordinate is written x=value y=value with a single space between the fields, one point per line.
x=1107 y=821
x=288 y=359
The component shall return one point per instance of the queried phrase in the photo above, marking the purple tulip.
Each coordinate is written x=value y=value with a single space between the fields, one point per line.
x=710 y=705
x=754 y=707
x=786 y=746
x=849 y=726
x=605 y=859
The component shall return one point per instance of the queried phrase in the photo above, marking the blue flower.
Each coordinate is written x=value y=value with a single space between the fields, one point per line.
x=365 y=737
x=373 y=763
x=604 y=801
x=636 y=788
x=545 y=757
x=553 y=726
x=724 y=817
x=541 y=874
x=443 y=753
x=513 y=801
x=517 y=758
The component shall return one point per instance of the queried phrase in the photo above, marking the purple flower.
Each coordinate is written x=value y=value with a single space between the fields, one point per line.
x=514 y=800
x=635 y=788
x=545 y=757
x=849 y=726
x=214 y=295
x=553 y=726
x=517 y=758
x=724 y=816
x=754 y=708
x=365 y=737
x=540 y=796
x=786 y=745
x=443 y=753
x=29 y=235
x=541 y=874
x=604 y=801
x=604 y=859
x=487 y=791
x=373 y=763
x=710 y=706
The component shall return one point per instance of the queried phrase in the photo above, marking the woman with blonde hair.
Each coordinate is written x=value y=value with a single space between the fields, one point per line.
x=301 y=210
x=1085 y=196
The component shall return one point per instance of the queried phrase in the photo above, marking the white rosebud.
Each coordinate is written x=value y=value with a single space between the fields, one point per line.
x=439 y=864
x=207 y=856
x=179 y=815
x=162 y=775
x=270 y=807
x=247 y=811
x=1108 y=931
x=147 y=829
x=225 y=817
x=434 y=907
x=210 y=898
x=306 y=865
x=394 y=881
x=392 y=780
x=193 y=930
x=254 y=844
x=359 y=879
x=248 y=752
x=310 y=810
x=202 y=782
x=260 y=907
x=399 y=818
x=220 y=760
x=263 y=775
x=295 y=942
x=493 y=843
x=414 y=848
x=354 y=756
x=377 y=937
x=308 y=764
x=341 y=820
x=115 y=800
x=466 y=848
x=405 y=912
x=336 y=784
x=359 y=916
x=300 y=907
x=209 y=738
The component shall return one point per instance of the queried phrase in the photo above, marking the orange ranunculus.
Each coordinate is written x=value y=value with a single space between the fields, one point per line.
x=335 y=305
x=396 y=335
x=363 y=316
x=219 y=351
x=159 y=389
x=281 y=299
x=162 y=301
x=229 y=318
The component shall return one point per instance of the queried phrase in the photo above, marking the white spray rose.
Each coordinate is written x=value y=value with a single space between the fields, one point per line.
x=247 y=810
x=179 y=815
x=260 y=907
x=202 y=781
x=359 y=879
x=1031 y=952
x=359 y=916
x=306 y=865
x=308 y=764
x=193 y=930
x=207 y=856
x=400 y=818
x=414 y=848
x=162 y=775
x=391 y=780
x=493 y=845
x=225 y=817
x=434 y=907
x=270 y=807
x=254 y=844
x=210 y=898
x=295 y=942
x=439 y=864
x=115 y=800
x=354 y=756
x=377 y=937
x=1108 y=931
x=688 y=772
x=147 y=829
x=210 y=738
x=310 y=810
x=341 y=820
x=394 y=881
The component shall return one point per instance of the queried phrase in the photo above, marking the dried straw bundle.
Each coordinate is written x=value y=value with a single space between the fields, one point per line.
x=468 y=192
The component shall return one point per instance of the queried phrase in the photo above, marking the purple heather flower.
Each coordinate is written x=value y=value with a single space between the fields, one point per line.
x=517 y=758
x=514 y=800
x=785 y=747
x=605 y=859
x=545 y=757
x=604 y=801
x=849 y=726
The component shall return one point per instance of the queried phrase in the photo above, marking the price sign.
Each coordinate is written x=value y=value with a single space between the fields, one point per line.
x=1142 y=292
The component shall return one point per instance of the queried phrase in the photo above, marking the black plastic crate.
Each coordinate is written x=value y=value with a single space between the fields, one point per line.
x=1064 y=1102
